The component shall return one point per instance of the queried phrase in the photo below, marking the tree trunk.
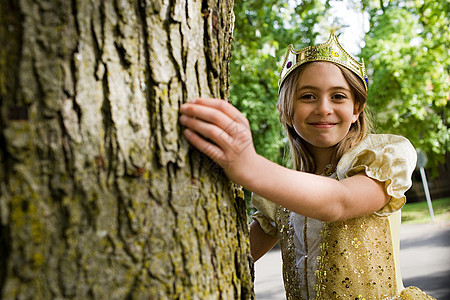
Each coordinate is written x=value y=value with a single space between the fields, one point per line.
x=101 y=196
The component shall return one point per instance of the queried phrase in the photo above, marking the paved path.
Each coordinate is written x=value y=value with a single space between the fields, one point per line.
x=424 y=260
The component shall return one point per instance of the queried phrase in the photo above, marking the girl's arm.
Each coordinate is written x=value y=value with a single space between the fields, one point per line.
x=310 y=195
x=260 y=241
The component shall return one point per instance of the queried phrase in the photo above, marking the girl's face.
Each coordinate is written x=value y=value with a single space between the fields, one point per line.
x=324 y=105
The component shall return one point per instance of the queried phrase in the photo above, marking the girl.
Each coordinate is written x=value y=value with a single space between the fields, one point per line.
x=337 y=215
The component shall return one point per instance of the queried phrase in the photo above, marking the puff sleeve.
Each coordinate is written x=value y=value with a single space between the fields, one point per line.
x=387 y=158
x=266 y=214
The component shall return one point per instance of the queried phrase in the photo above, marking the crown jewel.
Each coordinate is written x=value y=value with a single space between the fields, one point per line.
x=330 y=51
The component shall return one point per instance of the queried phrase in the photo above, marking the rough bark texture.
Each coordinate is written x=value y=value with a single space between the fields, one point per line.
x=101 y=196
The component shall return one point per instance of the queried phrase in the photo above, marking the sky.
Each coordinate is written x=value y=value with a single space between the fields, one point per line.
x=352 y=36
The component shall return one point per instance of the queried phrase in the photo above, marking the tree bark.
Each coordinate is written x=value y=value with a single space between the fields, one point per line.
x=100 y=195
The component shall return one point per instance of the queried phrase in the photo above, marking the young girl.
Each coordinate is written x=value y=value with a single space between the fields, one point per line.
x=337 y=215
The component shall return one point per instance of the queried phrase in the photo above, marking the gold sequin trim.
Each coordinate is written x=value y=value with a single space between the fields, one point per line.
x=414 y=293
x=305 y=238
x=356 y=260
x=290 y=275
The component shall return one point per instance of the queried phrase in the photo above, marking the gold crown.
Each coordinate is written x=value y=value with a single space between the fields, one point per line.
x=330 y=51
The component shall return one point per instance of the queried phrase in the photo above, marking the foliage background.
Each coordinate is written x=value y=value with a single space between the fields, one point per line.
x=405 y=48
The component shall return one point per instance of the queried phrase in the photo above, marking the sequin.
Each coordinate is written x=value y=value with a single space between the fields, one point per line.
x=356 y=259
x=350 y=244
x=335 y=54
x=414 y=293
x=290 y=275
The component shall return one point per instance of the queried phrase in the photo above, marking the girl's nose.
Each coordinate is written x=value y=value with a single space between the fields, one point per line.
x=324 y=107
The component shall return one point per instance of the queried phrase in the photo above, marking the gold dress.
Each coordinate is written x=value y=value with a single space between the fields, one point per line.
x=356 y=258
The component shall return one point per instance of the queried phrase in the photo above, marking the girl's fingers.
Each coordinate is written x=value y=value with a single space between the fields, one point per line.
x=219 y=122
x=207 y=130
x=206 y=114
x=224 y=106
x=218 y=112
x=211 y=150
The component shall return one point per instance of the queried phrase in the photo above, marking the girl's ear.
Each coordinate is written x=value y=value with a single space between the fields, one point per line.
x=359 y=109
x=357 y=112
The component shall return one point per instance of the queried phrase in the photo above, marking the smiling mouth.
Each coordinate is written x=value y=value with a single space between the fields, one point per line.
x=323 y=124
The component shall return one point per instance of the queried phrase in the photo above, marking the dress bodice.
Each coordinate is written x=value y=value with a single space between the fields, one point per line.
x=350 y=259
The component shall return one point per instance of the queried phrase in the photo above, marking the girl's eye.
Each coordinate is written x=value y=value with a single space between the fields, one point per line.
x=339 y=96
x=307 y=97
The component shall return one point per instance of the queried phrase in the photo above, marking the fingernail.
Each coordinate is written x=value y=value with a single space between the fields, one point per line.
x=183 y=119
x=187 y=132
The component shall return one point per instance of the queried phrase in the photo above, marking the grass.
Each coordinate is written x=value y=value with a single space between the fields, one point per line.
x=418 y=212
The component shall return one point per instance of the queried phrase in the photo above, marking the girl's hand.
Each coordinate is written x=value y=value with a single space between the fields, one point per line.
x=220 y=131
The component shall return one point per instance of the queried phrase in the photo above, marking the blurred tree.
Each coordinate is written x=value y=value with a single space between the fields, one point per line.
x=408 y=58
x=100 y=196
x=406 y=55
x=263 y=30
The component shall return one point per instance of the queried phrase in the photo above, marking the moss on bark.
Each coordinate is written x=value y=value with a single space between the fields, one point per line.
x=101 y=196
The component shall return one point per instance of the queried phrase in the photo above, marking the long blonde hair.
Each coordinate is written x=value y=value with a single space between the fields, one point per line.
x=301 y=156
